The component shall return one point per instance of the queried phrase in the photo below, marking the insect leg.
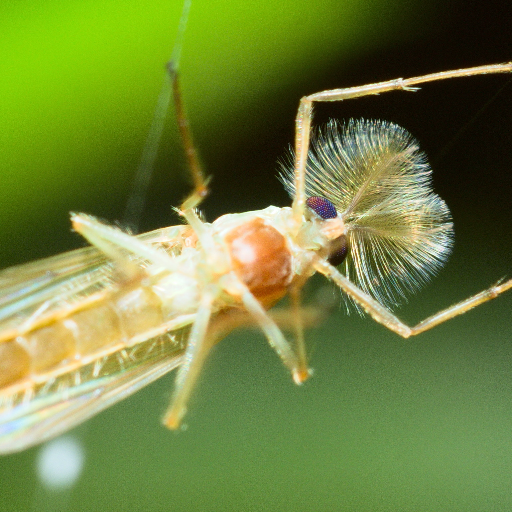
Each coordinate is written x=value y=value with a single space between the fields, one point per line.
x=302 y=135
x=385 y=317
x=230 y=319
x=200 y=342
x=112 y=241
x=198 y=347
x=406 y=84
x=275 y=337
x=298 y=324
x=194 y=165
x=461 y=307
x=305 y=113
x=200 y=191
x=200 y=182
x=137 y=198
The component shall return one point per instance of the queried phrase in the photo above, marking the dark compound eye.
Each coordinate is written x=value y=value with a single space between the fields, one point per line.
x=322 y=207
x=338 y=250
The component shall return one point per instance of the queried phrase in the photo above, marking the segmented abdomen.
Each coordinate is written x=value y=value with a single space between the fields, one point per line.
x=104 y=324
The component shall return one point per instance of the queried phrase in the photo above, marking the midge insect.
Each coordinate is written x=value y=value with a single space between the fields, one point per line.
x=85 y=329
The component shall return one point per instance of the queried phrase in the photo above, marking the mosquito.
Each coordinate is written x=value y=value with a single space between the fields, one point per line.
x=82 y=330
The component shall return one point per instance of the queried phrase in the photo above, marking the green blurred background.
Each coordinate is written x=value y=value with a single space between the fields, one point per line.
x=385 y=424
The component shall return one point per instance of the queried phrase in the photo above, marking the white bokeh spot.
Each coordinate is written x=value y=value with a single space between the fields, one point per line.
x=60 y=463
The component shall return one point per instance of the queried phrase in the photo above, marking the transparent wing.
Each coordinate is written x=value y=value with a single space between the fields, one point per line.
x=62 y=280
x=34 y=410
x=31 y=416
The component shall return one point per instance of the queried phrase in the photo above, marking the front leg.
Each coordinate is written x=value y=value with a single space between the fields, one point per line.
x=385 y=317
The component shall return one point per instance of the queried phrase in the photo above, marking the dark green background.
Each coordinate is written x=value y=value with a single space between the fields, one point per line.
x=384 y=425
